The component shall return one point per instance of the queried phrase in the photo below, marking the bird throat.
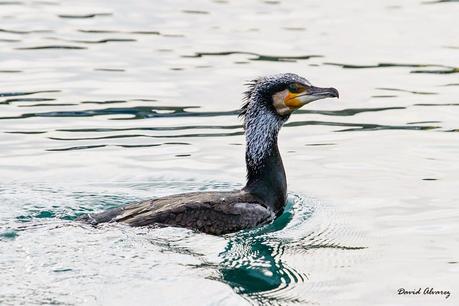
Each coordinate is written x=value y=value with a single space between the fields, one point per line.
x=265 y=171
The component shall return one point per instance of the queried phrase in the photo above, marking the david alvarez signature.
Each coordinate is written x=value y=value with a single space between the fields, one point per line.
x=426 y=291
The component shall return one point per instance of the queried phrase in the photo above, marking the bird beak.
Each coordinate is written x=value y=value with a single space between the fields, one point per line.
x=321 y=93
x=311 y=94
x=287 y=102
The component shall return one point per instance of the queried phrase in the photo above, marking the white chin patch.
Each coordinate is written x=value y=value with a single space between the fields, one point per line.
x=307 y=99
x=279 y=104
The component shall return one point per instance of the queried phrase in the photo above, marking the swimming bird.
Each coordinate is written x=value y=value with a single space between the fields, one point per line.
x=269 y=102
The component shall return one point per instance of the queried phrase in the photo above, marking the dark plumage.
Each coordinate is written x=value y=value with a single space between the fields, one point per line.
x=203 y=211
x=268 y=103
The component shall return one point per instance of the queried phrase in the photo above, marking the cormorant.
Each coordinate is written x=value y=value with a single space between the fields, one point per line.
x=269 y=101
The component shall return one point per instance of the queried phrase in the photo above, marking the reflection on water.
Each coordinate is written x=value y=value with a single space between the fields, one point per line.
x=251 y=265
x=257 y=57
x=253 y=262
x=440 y=69
x=103 y=103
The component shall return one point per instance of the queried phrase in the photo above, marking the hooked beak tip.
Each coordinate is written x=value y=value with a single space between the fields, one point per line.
x=329 y=92
x=333 y=92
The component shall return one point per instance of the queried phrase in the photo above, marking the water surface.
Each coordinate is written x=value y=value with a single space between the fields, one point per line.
x=105 y=102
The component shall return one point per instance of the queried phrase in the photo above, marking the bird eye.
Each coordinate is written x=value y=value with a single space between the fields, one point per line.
x=295 y=88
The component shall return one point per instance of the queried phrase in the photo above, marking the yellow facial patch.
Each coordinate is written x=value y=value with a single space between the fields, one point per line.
x=292 y=102
x=285 y=102
x=289 y=100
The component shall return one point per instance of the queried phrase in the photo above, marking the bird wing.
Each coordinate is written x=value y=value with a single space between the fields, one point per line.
x=203 y=214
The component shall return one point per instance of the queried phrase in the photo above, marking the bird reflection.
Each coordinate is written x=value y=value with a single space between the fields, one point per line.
x=252 y=262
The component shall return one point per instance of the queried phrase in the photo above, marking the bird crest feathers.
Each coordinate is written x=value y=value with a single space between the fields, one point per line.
x=247 y=95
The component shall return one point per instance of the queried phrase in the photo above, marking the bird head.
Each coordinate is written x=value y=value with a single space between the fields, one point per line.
x=284 y=93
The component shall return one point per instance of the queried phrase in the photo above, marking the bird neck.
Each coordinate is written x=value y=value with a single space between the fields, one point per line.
x=265 y=171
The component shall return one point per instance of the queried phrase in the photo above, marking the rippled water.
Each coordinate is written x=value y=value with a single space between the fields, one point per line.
x=107 y=102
